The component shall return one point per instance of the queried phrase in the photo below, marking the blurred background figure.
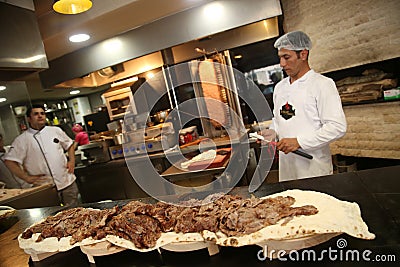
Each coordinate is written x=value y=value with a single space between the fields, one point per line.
x=81 y=137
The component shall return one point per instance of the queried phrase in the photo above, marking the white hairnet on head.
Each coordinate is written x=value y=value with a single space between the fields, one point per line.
x=296 y=41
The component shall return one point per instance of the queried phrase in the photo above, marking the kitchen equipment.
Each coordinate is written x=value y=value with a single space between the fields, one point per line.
x=222 y=155
x=114 y=125
x=161 y=116
x=188 y=135
x=118 y=101
x=151 y=145
x=256 y=127
x=97 y=122
x=119 y=139
x=137 y=136
x=97 y=151
x=149 y=140
x=20 y=110
x=116 y=151
x=78 y=158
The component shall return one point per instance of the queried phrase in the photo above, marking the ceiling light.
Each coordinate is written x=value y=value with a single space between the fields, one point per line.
x=126 y=81
x=2 y=87
x=213 y=10
x=3 y=99
x=74 y=92
x=238 y=56
x=71 y=7
x=77 y=38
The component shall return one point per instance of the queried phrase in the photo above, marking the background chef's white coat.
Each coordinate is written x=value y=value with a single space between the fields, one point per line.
x=319 y=119
x=26 y=151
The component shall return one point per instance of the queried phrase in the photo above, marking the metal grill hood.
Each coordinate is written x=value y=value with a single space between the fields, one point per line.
x=22 y=50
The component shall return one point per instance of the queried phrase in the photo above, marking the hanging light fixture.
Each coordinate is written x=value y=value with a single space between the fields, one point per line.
x=71 y=7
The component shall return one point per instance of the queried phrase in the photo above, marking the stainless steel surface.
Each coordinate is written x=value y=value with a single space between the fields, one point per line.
x=116 y=151
x=97 y=151
x=117 y=73
x=137 y=136
x=193 y=23
x=119 y=139
x=22 y=50
x=133 y=14
x=161 y=116
x=151 y=145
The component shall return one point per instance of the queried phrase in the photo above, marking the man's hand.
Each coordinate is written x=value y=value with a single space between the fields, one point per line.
x=36 y=179
x=18 y=171
x=287 y=145
x=70 y=166
x=71 y=159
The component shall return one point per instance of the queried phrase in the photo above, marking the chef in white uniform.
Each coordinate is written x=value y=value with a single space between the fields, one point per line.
x=37 y=156
x=308 y=112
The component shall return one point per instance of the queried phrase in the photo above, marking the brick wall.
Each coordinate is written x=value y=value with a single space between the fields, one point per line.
x=373 y=131
x=346 y=33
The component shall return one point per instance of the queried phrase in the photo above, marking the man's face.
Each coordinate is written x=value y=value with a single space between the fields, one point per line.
x=37 y=118
x=291 y=62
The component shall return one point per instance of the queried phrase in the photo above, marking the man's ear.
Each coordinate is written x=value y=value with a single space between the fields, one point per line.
x=304 y=54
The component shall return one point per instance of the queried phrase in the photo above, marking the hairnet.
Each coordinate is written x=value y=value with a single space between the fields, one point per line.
x=295 y=41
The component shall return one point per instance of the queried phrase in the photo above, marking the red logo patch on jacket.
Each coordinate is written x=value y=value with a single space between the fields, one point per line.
x=287 y=111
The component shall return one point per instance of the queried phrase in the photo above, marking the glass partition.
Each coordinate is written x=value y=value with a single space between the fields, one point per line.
x=14 y=101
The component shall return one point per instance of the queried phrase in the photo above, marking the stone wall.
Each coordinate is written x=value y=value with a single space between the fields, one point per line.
x=346 y=33
x=373 y=131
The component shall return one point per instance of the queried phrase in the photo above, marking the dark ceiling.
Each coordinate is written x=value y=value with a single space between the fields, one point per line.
x=256 y=55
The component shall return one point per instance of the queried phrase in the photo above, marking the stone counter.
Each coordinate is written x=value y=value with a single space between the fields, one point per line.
x=377 y=192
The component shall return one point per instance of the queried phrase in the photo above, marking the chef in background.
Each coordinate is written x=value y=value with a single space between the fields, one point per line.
x=81 y=137
x=40 y=151
x=308 y=112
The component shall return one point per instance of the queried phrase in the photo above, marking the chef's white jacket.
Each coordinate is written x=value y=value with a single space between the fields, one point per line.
x=310 y=110
x=42 y=152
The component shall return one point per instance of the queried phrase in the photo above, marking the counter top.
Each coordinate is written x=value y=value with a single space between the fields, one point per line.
x=377 y=192
x=8 y=195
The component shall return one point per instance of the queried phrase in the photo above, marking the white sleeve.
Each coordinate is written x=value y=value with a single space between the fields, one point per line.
x=17 y=151
x=64 y=139
x=330 y=111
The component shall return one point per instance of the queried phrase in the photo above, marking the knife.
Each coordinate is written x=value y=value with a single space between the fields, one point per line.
x=262 y=170
x=299 y=151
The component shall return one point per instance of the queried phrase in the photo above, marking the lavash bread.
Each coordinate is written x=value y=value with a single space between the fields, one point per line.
x=334 y=217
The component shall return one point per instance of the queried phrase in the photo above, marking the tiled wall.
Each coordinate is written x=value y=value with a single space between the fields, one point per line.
x=373 y=131
x=346 y=33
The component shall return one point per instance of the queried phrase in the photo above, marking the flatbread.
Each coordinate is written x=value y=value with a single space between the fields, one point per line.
x=165 y=239
x=333 y=218
x=52 y=244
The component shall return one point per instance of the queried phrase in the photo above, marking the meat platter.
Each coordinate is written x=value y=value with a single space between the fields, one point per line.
x=290 y=220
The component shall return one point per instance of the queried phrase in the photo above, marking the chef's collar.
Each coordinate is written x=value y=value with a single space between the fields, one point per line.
x=302 y=78
x=305 y=76
x=34 y=131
